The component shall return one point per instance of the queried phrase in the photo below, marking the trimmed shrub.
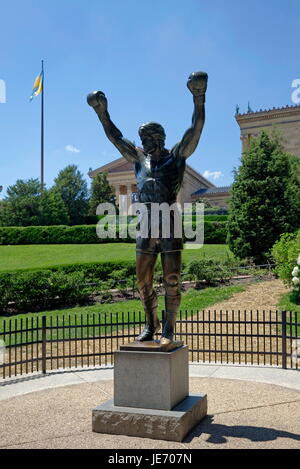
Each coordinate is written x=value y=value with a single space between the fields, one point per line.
x=94 y=271
x=214 y=233
x=5 y=286
x=210 y=271
x=85 y=234
x=189 y=218
x=286 y=253
x=66 y=284
x=216 y=218
x=23 y=291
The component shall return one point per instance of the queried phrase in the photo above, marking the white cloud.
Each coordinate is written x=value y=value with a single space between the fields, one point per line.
x=72 y=149
x=213 y=174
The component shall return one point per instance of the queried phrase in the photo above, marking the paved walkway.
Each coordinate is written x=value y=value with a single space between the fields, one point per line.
x=249 y=407
x=34 y=382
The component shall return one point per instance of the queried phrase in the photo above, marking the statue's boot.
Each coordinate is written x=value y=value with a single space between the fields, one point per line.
x=152 y=321
x=172 y=304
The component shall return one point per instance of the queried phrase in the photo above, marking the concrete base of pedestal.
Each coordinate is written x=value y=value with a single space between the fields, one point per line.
x=172 y=425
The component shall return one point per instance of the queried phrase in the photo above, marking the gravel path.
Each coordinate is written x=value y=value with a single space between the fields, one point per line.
x=257 y=296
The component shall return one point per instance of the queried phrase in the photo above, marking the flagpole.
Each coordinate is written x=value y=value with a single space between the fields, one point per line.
x=42 y=129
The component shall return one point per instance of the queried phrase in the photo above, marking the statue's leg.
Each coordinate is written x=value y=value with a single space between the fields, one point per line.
x=171 y=264
x=145 y=264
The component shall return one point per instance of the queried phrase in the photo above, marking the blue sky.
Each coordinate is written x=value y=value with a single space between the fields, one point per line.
x=140 y=54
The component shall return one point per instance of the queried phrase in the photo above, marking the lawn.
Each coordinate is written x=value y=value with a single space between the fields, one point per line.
x=43 y=256
x=192 y=300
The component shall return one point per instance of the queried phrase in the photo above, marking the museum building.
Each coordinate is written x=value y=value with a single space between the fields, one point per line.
x=285 y=119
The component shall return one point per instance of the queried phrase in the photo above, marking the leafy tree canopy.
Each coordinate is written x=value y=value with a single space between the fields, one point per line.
x=101 y=192
x=72 y=187
x=265 y=198
x=26 y=205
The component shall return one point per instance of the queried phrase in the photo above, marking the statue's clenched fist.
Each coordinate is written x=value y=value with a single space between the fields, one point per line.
x=197 y=83
x=97 y=99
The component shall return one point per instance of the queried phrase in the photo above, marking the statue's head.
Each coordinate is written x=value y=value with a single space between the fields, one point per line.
x=153 y=137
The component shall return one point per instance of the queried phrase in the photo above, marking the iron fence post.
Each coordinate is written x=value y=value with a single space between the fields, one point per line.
x=133 y=286
x=163 y=317
x=44 y=348
x=284 y=356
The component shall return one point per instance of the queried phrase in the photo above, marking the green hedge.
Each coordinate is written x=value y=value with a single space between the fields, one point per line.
x=25 y=290
x=91 y=270
x=216 y=217
x=82 y=234
x=215 y=233
x=94 y=271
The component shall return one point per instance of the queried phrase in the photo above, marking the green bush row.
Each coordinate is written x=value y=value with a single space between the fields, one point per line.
x=214 y=232
x=92 y=271
x=81 y=234
x=27 y=289
x=23 y=291
x=189 y=218
x=216 y=217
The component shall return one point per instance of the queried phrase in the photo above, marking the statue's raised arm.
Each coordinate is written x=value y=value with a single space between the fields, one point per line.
x=98 y=101
x=197 y=84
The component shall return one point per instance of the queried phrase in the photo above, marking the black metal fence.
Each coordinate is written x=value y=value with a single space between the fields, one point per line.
x=39 y=344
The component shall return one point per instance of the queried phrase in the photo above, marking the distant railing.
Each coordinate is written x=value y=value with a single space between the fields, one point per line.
x=41 y=343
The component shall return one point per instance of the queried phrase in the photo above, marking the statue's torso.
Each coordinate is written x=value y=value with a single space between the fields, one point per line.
x=159 y=181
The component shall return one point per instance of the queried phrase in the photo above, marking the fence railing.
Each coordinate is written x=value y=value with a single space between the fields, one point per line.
x=41 y=343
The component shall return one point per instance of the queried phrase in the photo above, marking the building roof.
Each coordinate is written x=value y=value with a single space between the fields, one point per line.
x=269 y=113
x=213 y=190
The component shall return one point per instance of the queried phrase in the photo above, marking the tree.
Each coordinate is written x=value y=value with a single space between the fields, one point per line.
x=21 y=206
x=74 y=193
x=25 y=205
x=101 y=192
x=265 y=198
x=52 y=209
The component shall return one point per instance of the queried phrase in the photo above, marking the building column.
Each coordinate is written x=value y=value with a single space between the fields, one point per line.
x=244 y=142
x=117 y=191
x=129 y=197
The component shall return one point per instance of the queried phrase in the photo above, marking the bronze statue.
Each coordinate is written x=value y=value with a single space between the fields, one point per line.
x=159 y=173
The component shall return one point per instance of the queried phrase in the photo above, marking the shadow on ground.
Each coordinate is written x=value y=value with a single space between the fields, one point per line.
x=218 y=433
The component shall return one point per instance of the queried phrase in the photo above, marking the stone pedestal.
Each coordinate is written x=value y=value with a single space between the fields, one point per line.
x=151 y=397
x=151 y=380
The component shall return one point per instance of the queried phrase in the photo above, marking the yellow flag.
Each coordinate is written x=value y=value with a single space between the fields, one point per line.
x=37 y=87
